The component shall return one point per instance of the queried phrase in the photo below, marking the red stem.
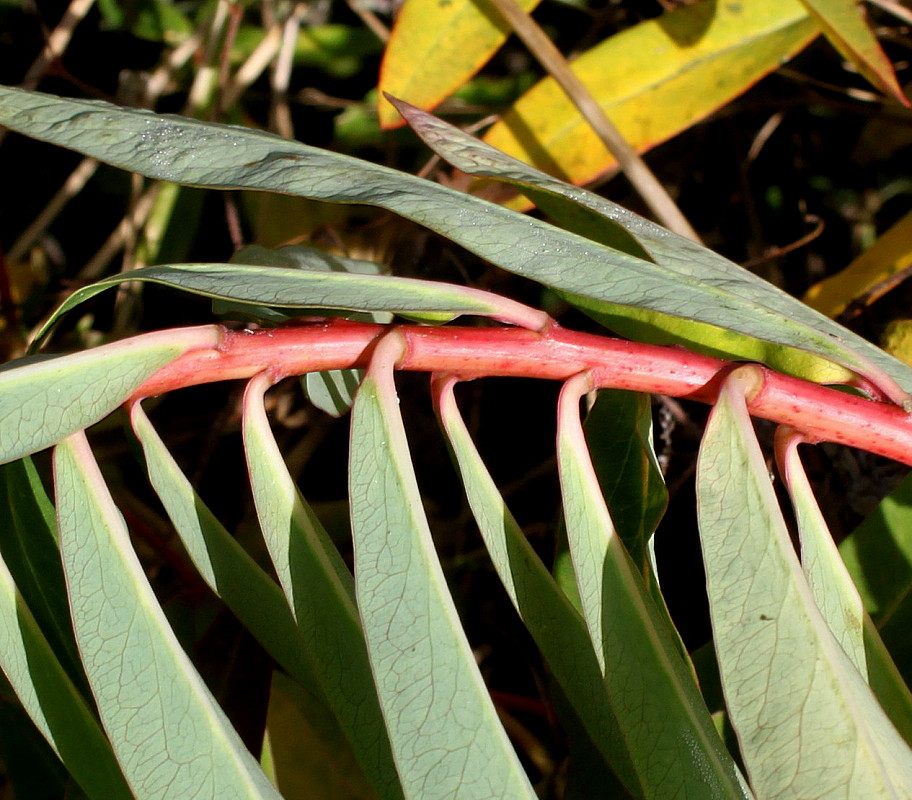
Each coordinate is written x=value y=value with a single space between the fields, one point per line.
x=820 y=413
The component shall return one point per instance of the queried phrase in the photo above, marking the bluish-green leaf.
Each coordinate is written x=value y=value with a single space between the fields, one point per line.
x=807 y=723
x=320 y=591
x=52 y=701
x=43 y=399
x=171 y=738
x=28 y=541
x=283 y=287
x=707 y=288
x=650 y=686
x=222 y=562
x=556 y=626
x=710 y=294
x=444 y=730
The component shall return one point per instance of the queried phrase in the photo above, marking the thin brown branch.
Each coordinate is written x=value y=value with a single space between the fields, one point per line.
x=639 y=175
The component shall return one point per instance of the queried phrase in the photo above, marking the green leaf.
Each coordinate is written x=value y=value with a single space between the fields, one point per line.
x=305 y=289
x=877 y=555
x=839 y=600
x=171 y=738
x=320 y=591
x=785 y=677
x=444 y=730
x=28 y=541
x=222 y=562
x=52 y=701
x=32 y=769
x=707 y=288
x=44 y=399
x=645 y=676
x=829 y=581
x=556 y=626
x=334 y=390
x=619 y=437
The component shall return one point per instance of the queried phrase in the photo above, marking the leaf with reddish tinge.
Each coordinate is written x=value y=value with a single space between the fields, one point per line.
x=653 y=81
x=844 y=25
x=434 y=48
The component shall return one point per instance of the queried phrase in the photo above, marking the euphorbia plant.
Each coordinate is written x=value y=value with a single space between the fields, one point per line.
x=383 y=647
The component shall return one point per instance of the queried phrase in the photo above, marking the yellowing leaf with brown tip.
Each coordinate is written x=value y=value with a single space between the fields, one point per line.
x=654 y=80
x=844 y=25
x=434 y=48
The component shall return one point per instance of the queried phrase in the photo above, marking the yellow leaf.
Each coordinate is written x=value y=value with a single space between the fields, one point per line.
x=890 y=254
x=897 y=339
x=653 y=81
x=844 y=25
x=435 y=47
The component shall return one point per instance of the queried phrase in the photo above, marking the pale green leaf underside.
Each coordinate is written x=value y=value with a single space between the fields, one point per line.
x=44 y=399
x=688 y=284
x=171 y=737
x=807 y=724
x=320 y=591
x=51 y=700
x=221 y=561
x=444 y=730
x=829 y=580
x=645 y=676
x=556 y=626
x=698 y=284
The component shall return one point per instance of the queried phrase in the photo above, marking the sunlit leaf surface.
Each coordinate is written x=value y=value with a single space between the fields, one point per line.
x=171 y=737
x=788 y=684
x=444 y=730
x=43 y=399
x=647 y=681
x=320 y=592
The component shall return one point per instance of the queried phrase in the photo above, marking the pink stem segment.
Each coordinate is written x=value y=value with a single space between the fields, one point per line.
x=820 y=413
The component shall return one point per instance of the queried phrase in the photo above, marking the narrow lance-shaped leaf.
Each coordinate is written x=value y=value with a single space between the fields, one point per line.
x=785 y=678
x=306 y=289
x=219 y=156
x=52 y=701
x=320 y=591
x=44 y=399
x=836 y=595
x=251 y=594
x=599 y=219
x=222 y=562
x=556 y=626
x=444 y=730
x=171 y=738
x=651 y=689
x=832 y=588
x=28 y=542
